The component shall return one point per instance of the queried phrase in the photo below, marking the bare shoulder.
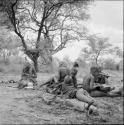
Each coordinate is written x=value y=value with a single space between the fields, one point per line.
x=91 y=76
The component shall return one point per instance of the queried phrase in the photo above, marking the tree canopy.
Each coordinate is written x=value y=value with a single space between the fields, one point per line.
x=49 y=24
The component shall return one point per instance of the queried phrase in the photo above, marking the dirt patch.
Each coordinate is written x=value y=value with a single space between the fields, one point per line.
x=27 y=107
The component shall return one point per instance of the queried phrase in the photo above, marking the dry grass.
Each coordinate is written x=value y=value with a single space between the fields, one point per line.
x=27 y=106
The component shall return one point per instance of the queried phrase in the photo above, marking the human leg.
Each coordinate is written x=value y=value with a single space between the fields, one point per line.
x=83 y=96
x=111 y=94
x=118 y=91
x=97 y=93
x=107 y=88
x=103 y=94
x=80 y=105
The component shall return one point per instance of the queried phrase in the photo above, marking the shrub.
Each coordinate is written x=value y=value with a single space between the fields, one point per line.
x=7 y=62
x=110 y=64
x=1 y=69
x=117 y=67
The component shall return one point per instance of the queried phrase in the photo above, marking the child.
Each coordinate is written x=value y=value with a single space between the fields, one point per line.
x=96 y=89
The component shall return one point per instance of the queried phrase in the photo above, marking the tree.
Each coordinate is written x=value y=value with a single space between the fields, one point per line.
x=7 y=44
x=96 y=46
x=118 y=52
x=54 y=23
x=109 y=64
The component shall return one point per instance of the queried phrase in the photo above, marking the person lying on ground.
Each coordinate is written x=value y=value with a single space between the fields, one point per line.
x=28 y=75
x=96 y=89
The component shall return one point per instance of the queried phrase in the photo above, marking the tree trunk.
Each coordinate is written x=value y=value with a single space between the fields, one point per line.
x=35 y=60
x=33 y=55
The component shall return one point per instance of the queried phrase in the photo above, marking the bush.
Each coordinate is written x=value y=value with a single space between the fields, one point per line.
x=11 y=65
x=110 y=64
x=1 y=69
x=117 y=67
x=50 y=68
x=7 y=62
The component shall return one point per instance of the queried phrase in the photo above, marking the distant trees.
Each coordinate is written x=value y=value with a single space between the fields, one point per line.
x=97 y=46
x=117 y=62
x=109 y=64
x=8 y=44
x=54 y=23
x=117 y=52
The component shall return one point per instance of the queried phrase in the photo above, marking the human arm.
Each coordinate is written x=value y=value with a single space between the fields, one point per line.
x=75 y=82
x=93 y=86
x=56 y=77
x=92 y=83
x=106 y=81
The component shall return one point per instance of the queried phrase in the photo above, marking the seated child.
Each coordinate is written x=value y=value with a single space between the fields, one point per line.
x=96 y=89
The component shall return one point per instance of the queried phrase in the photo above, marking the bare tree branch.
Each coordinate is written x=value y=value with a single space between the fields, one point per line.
x=27 y=27
x=14 y=21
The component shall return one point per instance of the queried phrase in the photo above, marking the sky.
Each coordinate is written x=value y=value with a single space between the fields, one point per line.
x=106 y=19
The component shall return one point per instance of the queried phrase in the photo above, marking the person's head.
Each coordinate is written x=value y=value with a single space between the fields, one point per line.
x=94 y=71
x=74 y=70
x=62 y=64
x=76 y=65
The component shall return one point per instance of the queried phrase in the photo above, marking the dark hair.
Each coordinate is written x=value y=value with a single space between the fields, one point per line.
x=94 y=69
x=100 y=68
x=62 y=63
x=76 y=64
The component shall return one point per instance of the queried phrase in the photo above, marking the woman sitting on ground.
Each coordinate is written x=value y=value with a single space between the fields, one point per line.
x=96 y=89
x=28 y=75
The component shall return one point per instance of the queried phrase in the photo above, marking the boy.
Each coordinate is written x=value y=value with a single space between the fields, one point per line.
x=96 y=89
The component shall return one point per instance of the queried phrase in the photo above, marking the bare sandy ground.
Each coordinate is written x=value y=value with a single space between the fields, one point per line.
x=27 y=107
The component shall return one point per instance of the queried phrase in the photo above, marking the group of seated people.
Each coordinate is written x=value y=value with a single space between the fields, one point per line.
x=65 y=83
